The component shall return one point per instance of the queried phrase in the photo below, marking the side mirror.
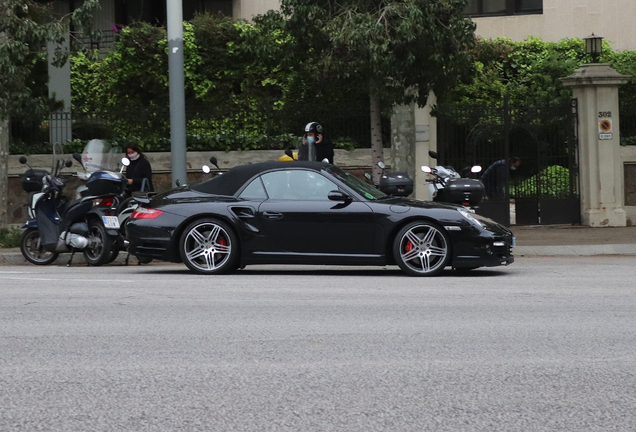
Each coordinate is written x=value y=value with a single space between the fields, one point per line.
x=336 y=195
x=432 y=154
x=475 y=169
x=125 y=161
x=381 y=165
x=427 y=169
x=23 y=160
x=69 y=163
x=214 y=162
x=205 y=169
x=178 y=183
x=78 y=157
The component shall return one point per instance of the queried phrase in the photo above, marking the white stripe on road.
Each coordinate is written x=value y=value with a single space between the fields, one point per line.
x=74 y=279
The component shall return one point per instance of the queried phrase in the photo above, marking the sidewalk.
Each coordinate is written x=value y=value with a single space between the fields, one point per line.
x=550 y=240
x=578 y=240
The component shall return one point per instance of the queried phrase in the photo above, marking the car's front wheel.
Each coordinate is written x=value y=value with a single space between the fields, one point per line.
x=422 y=249
x=209 y=246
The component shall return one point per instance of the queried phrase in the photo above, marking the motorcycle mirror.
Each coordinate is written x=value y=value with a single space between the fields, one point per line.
x=214 y=162
x=381 y=165
x=432 y=154
x=368 y=176
x=23 y=160
x=69 y=163
x=205 y=169
x=476 y=169
x=325 y=160
x=125 y=161
x=77 y=157
x=178 y=183
x=427 y=169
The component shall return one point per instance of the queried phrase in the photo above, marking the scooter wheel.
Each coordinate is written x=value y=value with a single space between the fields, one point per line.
x=32 y=250
x=100 y=244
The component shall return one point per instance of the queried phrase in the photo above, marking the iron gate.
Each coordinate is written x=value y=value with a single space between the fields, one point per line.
x=544 y=189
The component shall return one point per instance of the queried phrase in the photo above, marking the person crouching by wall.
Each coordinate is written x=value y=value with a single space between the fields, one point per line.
x=139 y=172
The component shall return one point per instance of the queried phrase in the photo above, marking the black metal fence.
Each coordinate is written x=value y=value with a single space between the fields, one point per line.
x=544 y=188
x=628 y=124
x=205 y=131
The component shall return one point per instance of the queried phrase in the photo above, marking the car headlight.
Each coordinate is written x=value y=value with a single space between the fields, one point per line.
x=468 y=215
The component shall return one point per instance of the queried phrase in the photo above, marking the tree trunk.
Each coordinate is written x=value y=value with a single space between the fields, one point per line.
x=403 y=139
x=4 y=172
x=377 y=153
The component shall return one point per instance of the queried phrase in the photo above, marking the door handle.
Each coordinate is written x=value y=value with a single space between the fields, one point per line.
x=272 y=215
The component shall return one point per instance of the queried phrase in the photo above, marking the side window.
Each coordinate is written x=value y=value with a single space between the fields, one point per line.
x=254 y=190
x=299 y=185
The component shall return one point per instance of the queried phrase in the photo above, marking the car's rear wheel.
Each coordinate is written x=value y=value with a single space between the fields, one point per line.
x=209 y=246
x=422 y=249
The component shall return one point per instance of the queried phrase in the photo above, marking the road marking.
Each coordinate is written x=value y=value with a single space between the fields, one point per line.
x=74 y=279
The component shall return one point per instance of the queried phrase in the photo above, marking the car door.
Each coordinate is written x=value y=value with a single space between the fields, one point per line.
x=300 y=218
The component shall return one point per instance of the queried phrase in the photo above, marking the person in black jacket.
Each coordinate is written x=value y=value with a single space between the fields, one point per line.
x=139 y=172
x=323 y=147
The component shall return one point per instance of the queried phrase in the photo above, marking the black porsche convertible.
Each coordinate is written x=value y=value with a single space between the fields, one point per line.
x=309 y=213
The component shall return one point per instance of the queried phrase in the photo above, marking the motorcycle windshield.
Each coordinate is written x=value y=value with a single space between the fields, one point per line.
x=99 y=155
x=58 y=158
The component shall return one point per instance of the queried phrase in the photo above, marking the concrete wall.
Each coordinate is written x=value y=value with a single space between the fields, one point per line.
x=612 y=19
x=247 y=9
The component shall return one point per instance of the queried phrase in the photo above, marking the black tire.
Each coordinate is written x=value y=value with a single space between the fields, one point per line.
x=209 y=246
x=113 y=255
x=143 y=259
x=33 y=251
x=422 y=249
x=100 y=244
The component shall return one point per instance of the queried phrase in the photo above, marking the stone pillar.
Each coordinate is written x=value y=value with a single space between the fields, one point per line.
x=403 y=140
x=595 y=86
x=425 y=140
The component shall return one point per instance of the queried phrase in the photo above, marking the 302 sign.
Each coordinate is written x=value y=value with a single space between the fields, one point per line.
x=604 y=114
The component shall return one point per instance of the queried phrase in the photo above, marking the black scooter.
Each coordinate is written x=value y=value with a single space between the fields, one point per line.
x=61 y=226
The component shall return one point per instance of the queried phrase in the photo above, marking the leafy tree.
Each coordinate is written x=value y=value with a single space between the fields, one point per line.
x=26 y=26
x=400 y=49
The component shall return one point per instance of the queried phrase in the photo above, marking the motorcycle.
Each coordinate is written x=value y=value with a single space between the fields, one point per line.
x=395 y=184
x=449 y=186
x=86 y=224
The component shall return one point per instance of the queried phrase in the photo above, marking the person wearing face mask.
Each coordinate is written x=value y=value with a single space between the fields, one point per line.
x=314 y=138
x=494 y=178
x=139 y=172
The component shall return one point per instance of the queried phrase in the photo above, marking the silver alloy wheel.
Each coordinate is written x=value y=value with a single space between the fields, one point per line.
x=207 y=247
x=423 y=249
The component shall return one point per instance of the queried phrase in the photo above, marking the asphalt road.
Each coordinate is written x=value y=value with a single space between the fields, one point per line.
x=545 y=344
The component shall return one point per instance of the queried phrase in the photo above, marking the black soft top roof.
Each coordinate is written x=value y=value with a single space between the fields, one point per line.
x=230 y=182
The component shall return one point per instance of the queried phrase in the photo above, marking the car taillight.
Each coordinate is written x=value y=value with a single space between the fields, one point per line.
x=145 y=213
x=106 y=202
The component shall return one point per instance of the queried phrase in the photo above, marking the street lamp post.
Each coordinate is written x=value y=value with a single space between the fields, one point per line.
x=594 y=46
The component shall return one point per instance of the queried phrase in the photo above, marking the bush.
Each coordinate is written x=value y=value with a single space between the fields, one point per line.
x=10 y=237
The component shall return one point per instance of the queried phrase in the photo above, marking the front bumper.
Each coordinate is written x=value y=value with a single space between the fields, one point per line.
x=489 y=250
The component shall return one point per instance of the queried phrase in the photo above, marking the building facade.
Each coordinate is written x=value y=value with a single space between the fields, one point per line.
x=553 y=20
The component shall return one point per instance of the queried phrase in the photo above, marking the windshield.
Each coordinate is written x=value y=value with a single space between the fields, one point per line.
x=99 y=155
x=58 y=158
x=362 y=188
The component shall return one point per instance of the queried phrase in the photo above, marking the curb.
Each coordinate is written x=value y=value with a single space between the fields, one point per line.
x=576 y=250
x=16 y=258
